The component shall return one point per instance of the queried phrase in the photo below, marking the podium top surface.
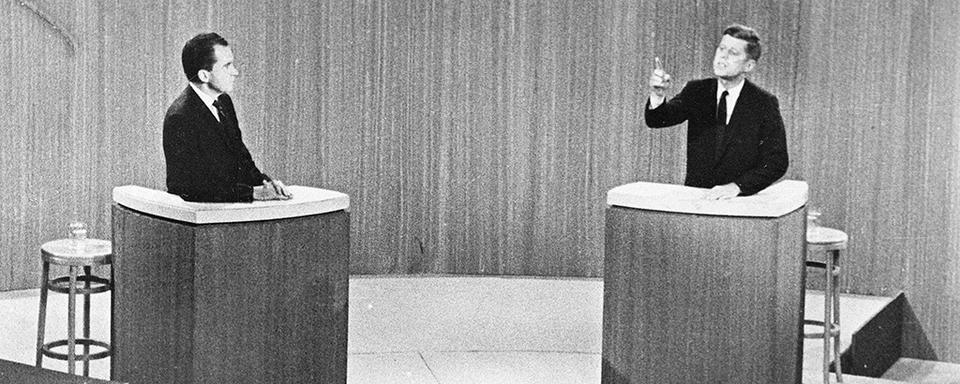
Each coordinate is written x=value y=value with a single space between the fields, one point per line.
x=306 y=201
x=776 y=200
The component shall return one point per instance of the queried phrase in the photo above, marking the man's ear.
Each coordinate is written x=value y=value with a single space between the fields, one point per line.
x=750 y=65
x=203 y=75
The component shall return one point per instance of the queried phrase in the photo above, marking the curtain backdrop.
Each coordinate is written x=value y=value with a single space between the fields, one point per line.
x=480 y=136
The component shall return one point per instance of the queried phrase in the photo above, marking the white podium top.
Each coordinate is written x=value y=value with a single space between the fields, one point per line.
x=776 y=200
x=306 y=201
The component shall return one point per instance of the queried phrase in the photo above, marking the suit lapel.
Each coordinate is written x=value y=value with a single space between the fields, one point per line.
x=742 y=105
x=207 y=120
x=228 y=126
x=746 y=97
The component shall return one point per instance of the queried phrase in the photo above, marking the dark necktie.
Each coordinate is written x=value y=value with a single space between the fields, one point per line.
x=721 y=122
x=221 y=114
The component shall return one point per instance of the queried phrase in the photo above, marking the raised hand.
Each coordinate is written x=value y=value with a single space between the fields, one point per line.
x=659 y=79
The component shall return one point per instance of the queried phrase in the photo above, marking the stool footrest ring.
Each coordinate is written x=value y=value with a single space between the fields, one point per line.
x=834 y=329
x=47 y=350
x=62 y=284
x=822 y=265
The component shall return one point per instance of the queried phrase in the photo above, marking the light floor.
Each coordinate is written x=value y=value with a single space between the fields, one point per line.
x=923 y=371
x=441 y=330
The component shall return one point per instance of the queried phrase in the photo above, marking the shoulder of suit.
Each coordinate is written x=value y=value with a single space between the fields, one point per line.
x=753 y=87
x=184 y=102
x=703 y=82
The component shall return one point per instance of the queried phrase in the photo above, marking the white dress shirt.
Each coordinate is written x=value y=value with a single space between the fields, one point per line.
x=732 y=95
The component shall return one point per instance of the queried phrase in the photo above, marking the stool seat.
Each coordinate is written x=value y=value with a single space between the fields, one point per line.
x=77 y=253
x=826 y=239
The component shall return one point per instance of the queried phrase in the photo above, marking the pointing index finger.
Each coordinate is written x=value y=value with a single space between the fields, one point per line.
x=657 y=63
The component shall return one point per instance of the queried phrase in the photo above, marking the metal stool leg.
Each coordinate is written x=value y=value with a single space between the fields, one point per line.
x=827 y=319
x=41 y=322
x=71 y=322
x=835 y=321
x=86 y=322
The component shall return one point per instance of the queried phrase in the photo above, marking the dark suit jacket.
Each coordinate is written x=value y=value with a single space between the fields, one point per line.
x=754 y=148
x=206 y=159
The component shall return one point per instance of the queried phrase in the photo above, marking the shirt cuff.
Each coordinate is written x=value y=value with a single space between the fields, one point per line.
x=656 y=101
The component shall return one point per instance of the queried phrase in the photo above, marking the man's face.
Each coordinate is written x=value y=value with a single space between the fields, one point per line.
x=731 y=60
x=223 y=74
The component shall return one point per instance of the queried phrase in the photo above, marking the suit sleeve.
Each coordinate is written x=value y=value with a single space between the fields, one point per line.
x=774 y=159
x=672 y=112
x=248 y=171
x=186 y=174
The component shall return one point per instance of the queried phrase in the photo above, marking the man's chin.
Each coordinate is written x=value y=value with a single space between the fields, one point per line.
x=222 y=89
x=724 y=76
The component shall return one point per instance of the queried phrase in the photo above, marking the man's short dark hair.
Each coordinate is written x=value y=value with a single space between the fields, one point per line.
x=198 y=54
x=746 y=34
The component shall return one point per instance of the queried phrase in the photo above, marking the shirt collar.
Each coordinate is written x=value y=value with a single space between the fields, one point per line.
x=207 y=99
x=732 y=93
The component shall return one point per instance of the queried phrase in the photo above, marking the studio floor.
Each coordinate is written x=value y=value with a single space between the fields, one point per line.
x=433 y=330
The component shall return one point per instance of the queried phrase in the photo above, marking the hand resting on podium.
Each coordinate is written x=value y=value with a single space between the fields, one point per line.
x=271 y=190
x=722 y=192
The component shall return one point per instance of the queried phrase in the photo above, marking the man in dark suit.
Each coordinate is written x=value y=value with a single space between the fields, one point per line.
x=206 y=158
x=736 y=144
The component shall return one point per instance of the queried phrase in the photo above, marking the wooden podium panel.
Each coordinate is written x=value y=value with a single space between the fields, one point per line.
x=237 y=302
x=12 y=372
x=702 y=298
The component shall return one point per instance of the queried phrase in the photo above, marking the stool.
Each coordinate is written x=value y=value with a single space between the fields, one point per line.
x=73 y=253
x=830 y=242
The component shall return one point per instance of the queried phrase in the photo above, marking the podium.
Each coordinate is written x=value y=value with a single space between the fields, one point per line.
x=230 y=292
x=699 y=291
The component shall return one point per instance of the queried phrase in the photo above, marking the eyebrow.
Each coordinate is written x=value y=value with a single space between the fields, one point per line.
x=731 y=48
